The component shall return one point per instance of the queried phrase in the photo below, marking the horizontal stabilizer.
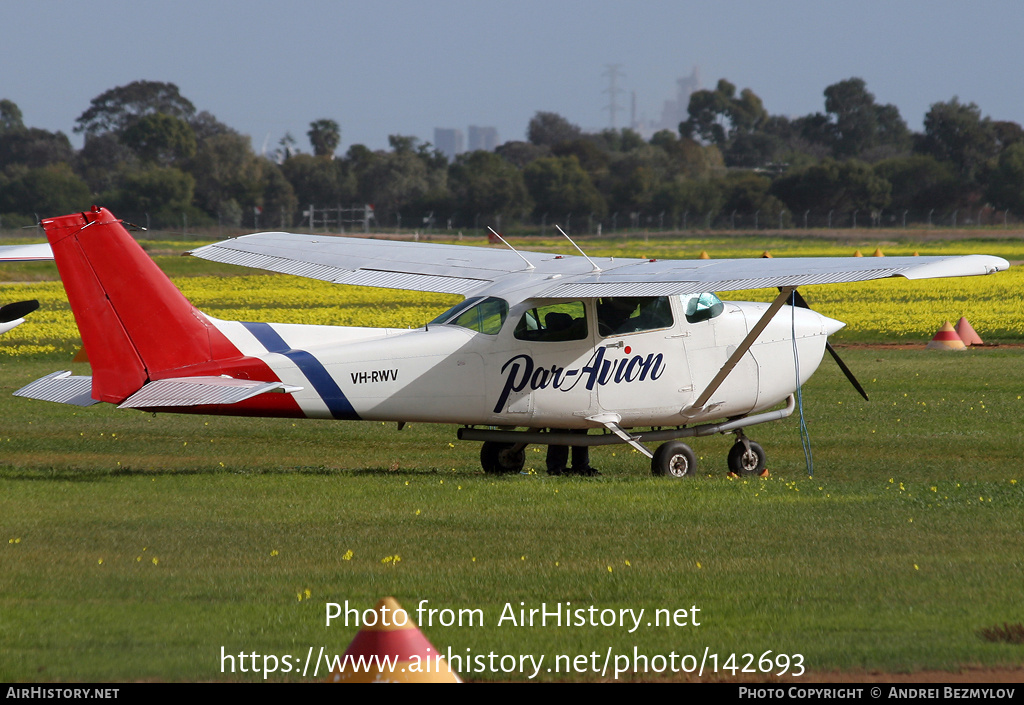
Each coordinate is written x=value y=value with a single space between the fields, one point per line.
x=20 y=309
x=196 y=391
x=60 y=387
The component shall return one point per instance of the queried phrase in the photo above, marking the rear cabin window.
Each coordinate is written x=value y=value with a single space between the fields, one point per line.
x=619 y=315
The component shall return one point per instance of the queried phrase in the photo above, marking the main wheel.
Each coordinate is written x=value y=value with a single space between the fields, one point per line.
x=500 y=458
x=675 y=459
x=746 y=462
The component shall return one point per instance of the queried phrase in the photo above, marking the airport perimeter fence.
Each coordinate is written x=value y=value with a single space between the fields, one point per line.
x=619 y=223
x=364 y=219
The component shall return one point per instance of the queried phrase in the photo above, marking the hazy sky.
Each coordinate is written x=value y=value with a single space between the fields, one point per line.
x=381 y=67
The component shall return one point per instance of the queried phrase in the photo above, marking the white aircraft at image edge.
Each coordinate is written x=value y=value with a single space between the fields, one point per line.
x=12 y=315
x=639 y=350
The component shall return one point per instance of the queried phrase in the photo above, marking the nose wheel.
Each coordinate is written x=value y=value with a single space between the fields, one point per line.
x=746 y=457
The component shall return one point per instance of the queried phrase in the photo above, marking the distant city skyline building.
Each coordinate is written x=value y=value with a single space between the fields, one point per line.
x=449 y=141
x=676 y=111
x=483 y=138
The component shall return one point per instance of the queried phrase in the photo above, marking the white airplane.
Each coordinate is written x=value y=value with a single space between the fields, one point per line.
x=634 y=350
x=12 y=315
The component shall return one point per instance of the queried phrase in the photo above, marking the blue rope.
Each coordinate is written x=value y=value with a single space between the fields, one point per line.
x=805 y=435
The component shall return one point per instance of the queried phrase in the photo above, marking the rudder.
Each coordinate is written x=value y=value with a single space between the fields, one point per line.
x=135 y=324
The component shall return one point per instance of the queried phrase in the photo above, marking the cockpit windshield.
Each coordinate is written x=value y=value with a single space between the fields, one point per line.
x=477 y=313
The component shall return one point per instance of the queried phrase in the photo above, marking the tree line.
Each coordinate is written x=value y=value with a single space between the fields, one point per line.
x=148 y=154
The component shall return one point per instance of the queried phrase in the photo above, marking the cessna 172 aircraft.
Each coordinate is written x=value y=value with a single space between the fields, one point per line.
x=12 y=315
x=640 y=350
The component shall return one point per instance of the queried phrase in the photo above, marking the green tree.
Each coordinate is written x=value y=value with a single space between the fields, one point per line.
x=205 y=125
x=102 y=160
x=10 y=116
x=858 y=124
x=34 y=148
x=317 y=181
x=590 y=155
x=719 y=116
x=689 y=197
x=164 y=192
x=956 y=133
x=559 y=186
x=687 y=158
x=831 y=185
x=520 y=154
x=395 y=182
x=324 y=136
x=632 y=179
x=1007 y=133
x=225 y=168
x=747 y=193
x=919 y=182
x=484 y=183
x=160 y=139
x=1006 y=182
x=116 y=109
x=548 y=129
x=278 y=198
x=47 y=191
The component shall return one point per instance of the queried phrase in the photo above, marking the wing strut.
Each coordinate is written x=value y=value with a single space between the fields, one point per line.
x=762 y=323
x=611 y=422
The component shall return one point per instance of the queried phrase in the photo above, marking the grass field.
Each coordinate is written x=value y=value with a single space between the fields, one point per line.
x=134 y=546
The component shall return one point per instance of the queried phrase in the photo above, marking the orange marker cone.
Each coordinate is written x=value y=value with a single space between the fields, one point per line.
x=393 y=650
x=704 y=255
x=946 y=339
x=766 y=255
x=878 y=252
x=857 y=254
x=967 y=333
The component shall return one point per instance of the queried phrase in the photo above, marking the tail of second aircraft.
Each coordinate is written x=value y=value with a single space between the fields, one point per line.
x=137 y=328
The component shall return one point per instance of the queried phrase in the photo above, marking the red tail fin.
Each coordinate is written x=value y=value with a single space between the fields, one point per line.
x=134 y=322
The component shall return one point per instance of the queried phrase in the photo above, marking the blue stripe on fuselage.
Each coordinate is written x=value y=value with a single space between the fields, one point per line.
x=313 y=369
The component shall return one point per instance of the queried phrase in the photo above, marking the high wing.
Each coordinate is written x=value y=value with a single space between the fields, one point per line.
x=25 y=253
x=459 y=269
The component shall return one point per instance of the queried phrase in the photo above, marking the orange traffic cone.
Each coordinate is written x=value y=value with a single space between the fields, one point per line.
x=878 y=252
x=704 y=255
x=967 y=333
x=766 y=255
x=946 y=339
x=857 y=254
x=393 y=650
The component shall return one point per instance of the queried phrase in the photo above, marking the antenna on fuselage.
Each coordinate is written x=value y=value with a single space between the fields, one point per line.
x=592 y=262
x=505 y=242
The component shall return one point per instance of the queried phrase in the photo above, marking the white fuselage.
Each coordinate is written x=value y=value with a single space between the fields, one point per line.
x=450 y=374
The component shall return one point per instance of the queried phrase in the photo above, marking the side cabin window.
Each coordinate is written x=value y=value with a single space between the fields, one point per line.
x=483 y=315
x=553 y=323
x=619 y=315
x=702 y=307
